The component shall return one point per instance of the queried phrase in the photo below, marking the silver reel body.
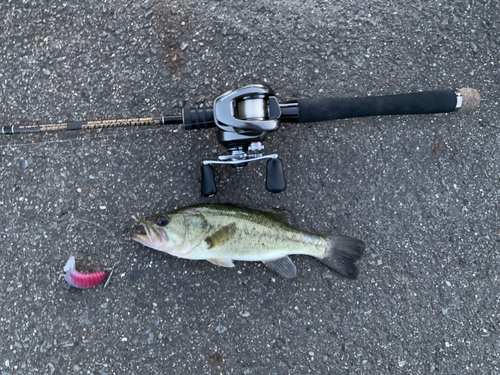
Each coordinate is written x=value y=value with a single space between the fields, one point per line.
x=244 y=117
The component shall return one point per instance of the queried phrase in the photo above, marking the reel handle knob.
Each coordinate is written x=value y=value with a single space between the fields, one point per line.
x=208 y=188
x=275 y=177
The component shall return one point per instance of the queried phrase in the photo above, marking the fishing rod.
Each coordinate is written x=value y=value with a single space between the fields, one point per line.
x=245 y=116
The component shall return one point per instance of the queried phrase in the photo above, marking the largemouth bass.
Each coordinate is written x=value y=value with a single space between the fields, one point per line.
x=222 y=233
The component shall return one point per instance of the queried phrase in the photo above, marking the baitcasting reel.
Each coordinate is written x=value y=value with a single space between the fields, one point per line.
x=246 y=115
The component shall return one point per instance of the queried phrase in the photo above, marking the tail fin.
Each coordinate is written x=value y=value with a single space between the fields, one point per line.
x=341 y=254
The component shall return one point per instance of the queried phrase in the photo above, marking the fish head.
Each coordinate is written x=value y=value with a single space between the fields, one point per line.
x=174 y=232
x=161 y=233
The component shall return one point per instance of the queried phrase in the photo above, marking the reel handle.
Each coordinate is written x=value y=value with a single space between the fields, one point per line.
x=275 y=178
x=208 y=188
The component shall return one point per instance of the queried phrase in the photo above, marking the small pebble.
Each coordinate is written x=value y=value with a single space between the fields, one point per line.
x=51 y=366
x=84 y=319
x=402 y=363
x=10 y=289
x=244 y=314
x=448 y=283
x=134 y=276
x=311 y=354
x=221 y=329
x=44 y=348
x=444 y=311
x=184 y=46
x=24 y=164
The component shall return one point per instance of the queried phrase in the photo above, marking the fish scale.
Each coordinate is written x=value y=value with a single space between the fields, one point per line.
x=260 y=238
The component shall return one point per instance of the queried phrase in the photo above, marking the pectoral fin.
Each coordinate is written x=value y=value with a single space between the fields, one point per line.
x=221 y=262
x=284 y=266
x=221 y=236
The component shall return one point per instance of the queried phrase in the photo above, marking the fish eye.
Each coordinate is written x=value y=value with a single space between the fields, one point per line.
x=162 y=221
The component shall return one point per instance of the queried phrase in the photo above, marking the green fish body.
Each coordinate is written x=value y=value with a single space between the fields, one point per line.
x=222 y=233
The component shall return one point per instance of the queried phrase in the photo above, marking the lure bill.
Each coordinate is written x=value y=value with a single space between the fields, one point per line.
x=222 y=233
x=82 y=280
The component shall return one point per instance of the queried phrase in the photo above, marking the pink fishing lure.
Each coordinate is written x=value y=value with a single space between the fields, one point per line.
x=82 y=280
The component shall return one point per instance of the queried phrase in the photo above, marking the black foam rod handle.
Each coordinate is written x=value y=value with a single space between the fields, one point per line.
x=275 y=177
x=208 y=188
x=316 y=110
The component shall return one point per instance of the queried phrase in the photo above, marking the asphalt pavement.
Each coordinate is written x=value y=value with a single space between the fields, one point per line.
x=421 y=191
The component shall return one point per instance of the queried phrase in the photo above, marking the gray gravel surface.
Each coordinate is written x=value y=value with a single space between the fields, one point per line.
x=422 y=191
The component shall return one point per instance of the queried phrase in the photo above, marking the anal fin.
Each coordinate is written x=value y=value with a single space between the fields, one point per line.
x=223 y=262
x=284 y=266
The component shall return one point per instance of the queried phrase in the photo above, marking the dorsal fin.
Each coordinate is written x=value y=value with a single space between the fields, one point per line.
x=279 y=214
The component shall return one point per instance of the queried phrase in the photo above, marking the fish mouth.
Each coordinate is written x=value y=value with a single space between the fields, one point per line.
x=154 y=238
x=141 y=238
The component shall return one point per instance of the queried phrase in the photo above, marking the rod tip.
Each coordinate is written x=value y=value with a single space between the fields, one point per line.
x=470 y=100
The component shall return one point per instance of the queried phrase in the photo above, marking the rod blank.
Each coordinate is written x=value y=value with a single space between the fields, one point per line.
x=87 y=125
